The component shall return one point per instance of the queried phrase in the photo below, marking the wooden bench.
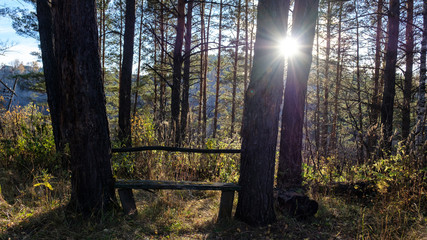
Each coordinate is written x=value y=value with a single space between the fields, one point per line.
x=125 y=186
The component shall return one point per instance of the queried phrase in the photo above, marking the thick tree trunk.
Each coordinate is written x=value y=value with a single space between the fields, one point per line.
x=390 y=75
x=177 y=72
x=83 y=117
x=407 y=88
x=126 y=76
x=186 y=77
x=51 y=73
x=261 y=118
x=290 y=160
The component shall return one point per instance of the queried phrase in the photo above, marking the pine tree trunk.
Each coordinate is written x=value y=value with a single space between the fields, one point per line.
x=126 y=76
x=218 y=73
x=235 y=64
x=359 y=99
x=138 y=72
x=407 y=88
x=177 y=72
x=421 y=104
x=261 y=119
x=290 y=161
x=84 y=119
x=51 y=72
x=186 y=77
x=374 y=112
x=325 y=123
x=390 y=75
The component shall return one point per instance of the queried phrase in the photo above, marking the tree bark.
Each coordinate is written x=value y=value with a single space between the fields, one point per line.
x=218 y=73
x=235 y=65
x=83 y=117
x=138 y=77
x=51 y=72
x=407 y=88
x=290 y=160
x=126 y=76
x=421 y=104
x=374 y=113
x=390 y=75
x=325 y=123
x=177 y=74
x=261 y=117
x=186 y=77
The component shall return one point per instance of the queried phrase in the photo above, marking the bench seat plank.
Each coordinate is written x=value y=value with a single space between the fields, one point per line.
x=180 y=185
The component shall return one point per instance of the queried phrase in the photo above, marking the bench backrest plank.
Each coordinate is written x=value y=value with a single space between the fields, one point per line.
x=180 y=185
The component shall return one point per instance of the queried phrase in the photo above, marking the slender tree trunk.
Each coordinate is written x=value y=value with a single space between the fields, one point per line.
x=246 y=73
x=121 y=39
x=374 y=113
x=358 y=80
x=202 y=65
x=261 y=118
x=421 y=104
x=51 y=73
x=318 y=85
x=84 y=120
x=390 y=75
x=135 y=101
x=407 y=89
x=205 y=78
x=235 y=64
x=218 y=73
x=290 y=160
x=126 y=76
x=325 y=124
x=186 y=77
x=177 y=72
x=333 y=142
x=162 y=95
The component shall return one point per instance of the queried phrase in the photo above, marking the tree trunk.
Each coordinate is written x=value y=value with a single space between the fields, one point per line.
x=246 y=73
x=372 y=138
x=261 y=118
x=334 y=137
x=235 y=64
x=186 y=77
x=51 y=73
x=177 y=74
x=359 y=99
x=325 y=124
x=202 y=65
x=407 y=89
x=135 y=102
x=290 y=160
x=390 y=75
x=84 y=118
x=421 y=104
x=126 y=76
x=218 y=73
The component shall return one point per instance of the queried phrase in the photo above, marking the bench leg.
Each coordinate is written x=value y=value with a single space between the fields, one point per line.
x=128 y=202
x=226 y=205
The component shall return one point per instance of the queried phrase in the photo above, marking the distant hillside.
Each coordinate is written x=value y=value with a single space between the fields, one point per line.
x=21 y=85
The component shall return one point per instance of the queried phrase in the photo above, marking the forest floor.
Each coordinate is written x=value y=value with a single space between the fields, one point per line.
x=40 y=214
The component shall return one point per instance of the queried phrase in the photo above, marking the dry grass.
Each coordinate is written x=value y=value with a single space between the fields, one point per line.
x=192 y=215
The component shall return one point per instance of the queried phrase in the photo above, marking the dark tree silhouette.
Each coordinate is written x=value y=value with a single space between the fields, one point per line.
x=290 y=160
x=83 y=118
x=126 y=76
x=261 y=117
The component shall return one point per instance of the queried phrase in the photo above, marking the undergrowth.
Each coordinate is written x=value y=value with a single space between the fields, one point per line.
x=35 y=190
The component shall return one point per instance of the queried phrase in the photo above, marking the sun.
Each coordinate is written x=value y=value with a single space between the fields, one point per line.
x=289 y=47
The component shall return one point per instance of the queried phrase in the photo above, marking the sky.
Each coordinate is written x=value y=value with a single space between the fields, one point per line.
x=23 y=46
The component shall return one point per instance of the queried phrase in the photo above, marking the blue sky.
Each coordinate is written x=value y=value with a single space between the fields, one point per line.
x=22 y=46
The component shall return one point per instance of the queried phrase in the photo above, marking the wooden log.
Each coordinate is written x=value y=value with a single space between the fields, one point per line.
x=296 y=204
x=175 y=149
x=226 y=205
x=128 y=201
